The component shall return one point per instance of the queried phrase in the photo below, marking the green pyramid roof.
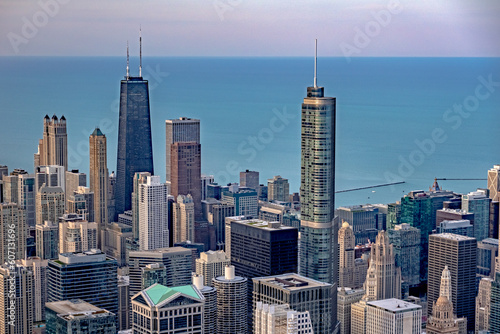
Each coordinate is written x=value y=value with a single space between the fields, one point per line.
x=158 y=293
x=97 y=132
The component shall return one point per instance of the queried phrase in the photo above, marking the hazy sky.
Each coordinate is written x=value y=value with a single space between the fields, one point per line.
x=251 y=27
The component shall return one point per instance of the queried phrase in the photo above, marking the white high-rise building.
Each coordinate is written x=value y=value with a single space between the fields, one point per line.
x=211 y=264
x=183 y=219
x=280 y=319
x=39 y=269
x=76 y=235
x=153 y=214
x=389 y=316
x=205 y=181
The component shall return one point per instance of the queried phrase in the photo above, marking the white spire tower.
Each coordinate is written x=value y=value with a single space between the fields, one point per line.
x=445 y=289
x=316 y=63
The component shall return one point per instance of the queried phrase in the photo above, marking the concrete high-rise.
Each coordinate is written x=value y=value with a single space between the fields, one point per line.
x=90 y=276
x=250 y=179
x=279 y=318
x=49 y=204
x=180 y=130
x=211 y=264
x=231 y=302
x=302 y=294
x=393 y=316
x=51 y=176
x=76 y=235
x=317 y=187
x=459 y=254
x=210 y=305
x=183 y=219
x=483 y=304
x=47 y=240
x=345 y=298
x=72 y=180
x=99 y=180
x=346 y=256
x=405 y=240
x=278 y=189
x=82 y=202
x=153 y=214
x=245 y=201
x=53 y=148
x=39 y=269
x=12 y=232
x=135 y=149
x=16 y=299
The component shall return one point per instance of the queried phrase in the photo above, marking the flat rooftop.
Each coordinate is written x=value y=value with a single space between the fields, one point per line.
x=452 y=236
x=72 y=307
x=394 y=305
x=292 y=282
x=265 y=225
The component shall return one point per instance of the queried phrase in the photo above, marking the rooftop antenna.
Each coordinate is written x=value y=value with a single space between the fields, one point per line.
x=127 y=61
x=315 y=63
x=140 y=51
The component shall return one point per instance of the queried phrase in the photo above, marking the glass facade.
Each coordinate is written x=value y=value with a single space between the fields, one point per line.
x=135 y=151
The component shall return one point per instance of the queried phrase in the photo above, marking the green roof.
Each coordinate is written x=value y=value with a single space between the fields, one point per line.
x=158 y=293
x=97 y=132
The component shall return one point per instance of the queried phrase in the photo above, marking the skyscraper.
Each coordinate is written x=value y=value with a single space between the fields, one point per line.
x=12 y=232
x=135 y=150
x=393 y=316
x=211 y=264
x=478 y=203
x=39 y=269
x=49 y=204
x=317 y=187
x=494 y=183
x=278 y=189
x=459 y=254
x=99 y=180
x=153 y=214
x=346 y=256
x=73 y=180
x=47 y=240
x=406 y=243
x=250 y=179
x=53 y=148
x=183 y=219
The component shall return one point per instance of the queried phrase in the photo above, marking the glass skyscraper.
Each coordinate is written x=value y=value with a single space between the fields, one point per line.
x=317 y=187
x=135 y=150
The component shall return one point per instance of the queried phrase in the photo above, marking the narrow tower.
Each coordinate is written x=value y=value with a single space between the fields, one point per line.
x=135 y=150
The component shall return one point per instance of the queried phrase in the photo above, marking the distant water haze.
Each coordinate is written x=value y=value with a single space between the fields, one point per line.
x=398 y=119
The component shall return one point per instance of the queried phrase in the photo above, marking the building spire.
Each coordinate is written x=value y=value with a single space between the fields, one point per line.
x=445 y=288
x=315 y=63
x=140 y=51
x=127 y=61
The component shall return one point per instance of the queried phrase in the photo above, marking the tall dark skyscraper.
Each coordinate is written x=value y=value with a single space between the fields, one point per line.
x=135 y=150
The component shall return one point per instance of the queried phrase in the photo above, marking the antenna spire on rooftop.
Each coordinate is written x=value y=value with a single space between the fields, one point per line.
x=127 y=61
x=140 y=51
x=315 y=63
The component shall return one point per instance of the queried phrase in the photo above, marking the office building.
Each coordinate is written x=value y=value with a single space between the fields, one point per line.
x=124 y=309
x=443 y=320
x=153 y=214
x=346 y=256
x=279 y=318
x=47 y=240
x=115 y=242
x=317 y=188
x=406 y=243
x=210 y=306
x=49 y=204
x=12 y=231
x=177 y=260
x=111 y=197
x=78 y=316
x=393 y=316
x=495 y=304
x=76 y=235
x=26 y=193
x=161 y=309
x=16 y=297
x=345 y=298
x=72 y=180
x=418 y=209
x=53 y=147
x=38 y=268
x=180 y=130
x=211 y=264
x=245 y=201
x=153 y=273
x=383 y=280
x=183 y=216
x=250 y=179
x=82 y=202
x=483 y=305
x=478 y=203
x=271 y=212
x=461 y=227
x=301 y=294
x=459 y=254
x=231 y=302
x=278 y=189
x=494 y=183
x=487 y=251
x=51 y=176
x=215 y=212
x=135 y=149
x=90 y=276
x=139 y=179
x=205 y=181
x=363 y=220
x=99 y=179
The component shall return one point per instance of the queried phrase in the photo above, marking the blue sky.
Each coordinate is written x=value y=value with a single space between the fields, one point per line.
x=250 y=27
